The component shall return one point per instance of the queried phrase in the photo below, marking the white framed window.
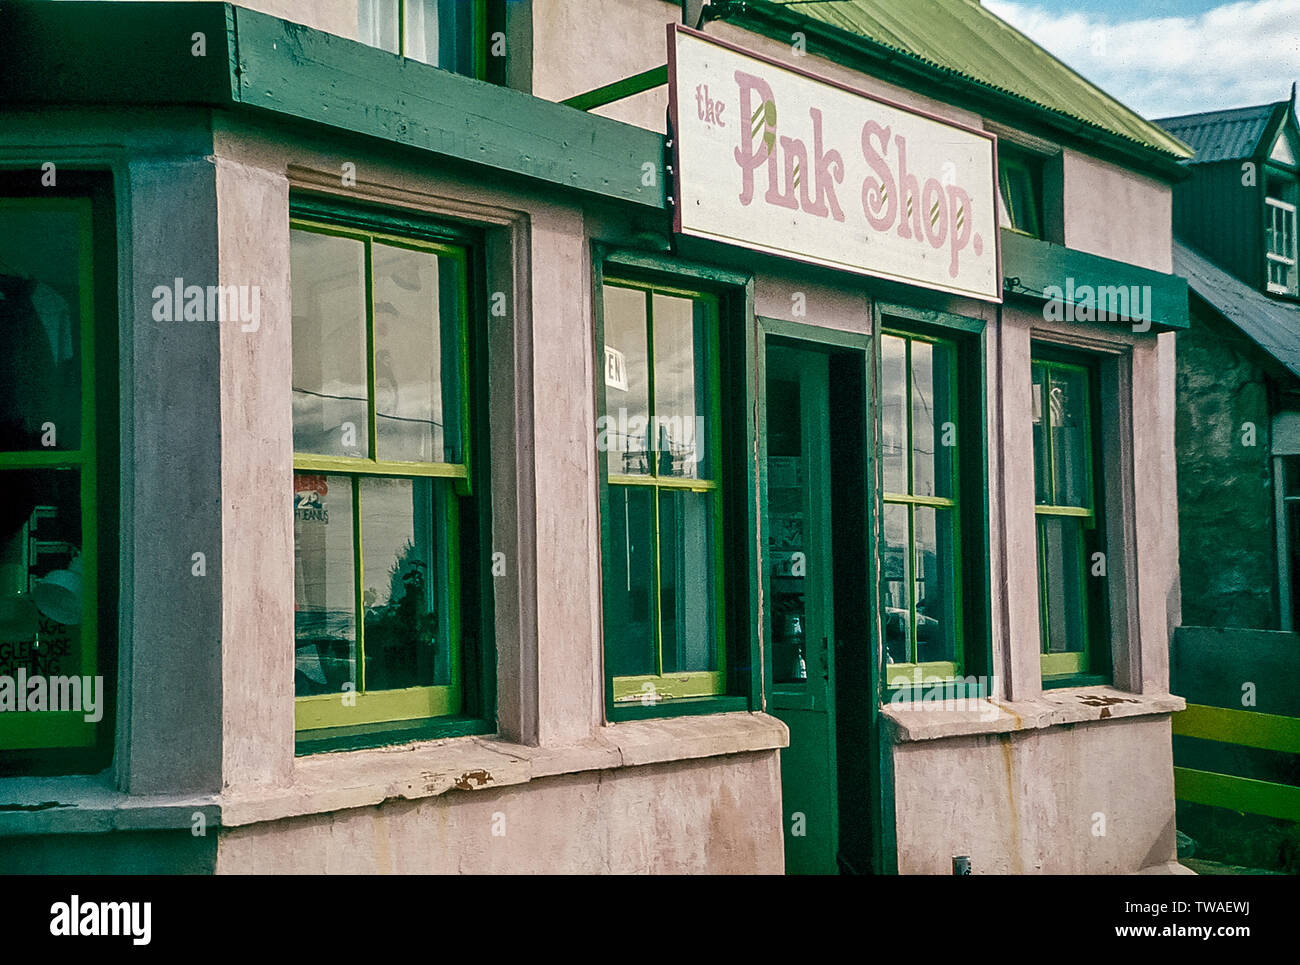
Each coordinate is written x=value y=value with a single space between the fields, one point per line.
x=1280 y=246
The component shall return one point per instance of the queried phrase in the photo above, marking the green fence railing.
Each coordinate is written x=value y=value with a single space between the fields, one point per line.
x=1244 y=728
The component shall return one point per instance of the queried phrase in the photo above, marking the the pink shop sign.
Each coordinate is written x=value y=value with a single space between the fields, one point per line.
x=771 y=158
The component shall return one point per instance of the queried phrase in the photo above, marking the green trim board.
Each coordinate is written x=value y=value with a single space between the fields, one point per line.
x=1031 y=266
x=1245 y=794
x=1245 y=728
x=619 y=89
x=95 y=52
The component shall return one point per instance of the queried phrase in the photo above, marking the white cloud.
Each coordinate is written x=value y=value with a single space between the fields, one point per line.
x=1235 y=55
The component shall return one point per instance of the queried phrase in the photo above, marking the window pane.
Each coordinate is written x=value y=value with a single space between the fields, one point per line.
x=441 y=32
x=417 y=315
x=40 y=316
x=681 y=386
x=893 y=439
x=629 y=575
x=325 y=654
x=41 y=573
x=687 y=581
x=623 y=432
x=936 y=584
x=1042 y=480
x=330 y=407
x=895 y=585
x=1069 y=412
x=932 y=420
x=406 y=594
x=377 y=23
x=1063 y=587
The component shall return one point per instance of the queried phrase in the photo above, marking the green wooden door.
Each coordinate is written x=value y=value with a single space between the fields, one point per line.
x=799 y=614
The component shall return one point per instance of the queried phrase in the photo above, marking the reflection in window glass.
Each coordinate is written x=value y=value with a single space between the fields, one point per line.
x=1041 y=413
x=325 y=648
x=936 y=585
x=377 y=23
x=1062 y=580
x=686 y=563
x=40 y=317
x=1068 y=408
x=893 y=413
x=933 y=426
x=629 y=583
x=895 y=567
x=624 y=436
x=408 y=642
x=330 y=408
x=680 y=386
x=441 y=33
x=417 y=372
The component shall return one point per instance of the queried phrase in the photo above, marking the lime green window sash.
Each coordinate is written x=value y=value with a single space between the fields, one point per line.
x=913 y=671
x=1060 y=667
x=69 y=729
x=363 y=707
x=660 y=688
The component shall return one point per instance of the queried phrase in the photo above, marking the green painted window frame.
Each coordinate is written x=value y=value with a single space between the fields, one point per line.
x=464 y=705
x=478 y=41
x=1028 y=170
x=945 y=670
x=967 y=337
x=736 y=683
x=1092 y=665
x=68 y=744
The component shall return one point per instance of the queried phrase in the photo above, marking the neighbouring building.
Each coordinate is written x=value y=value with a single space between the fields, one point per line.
x=1238 y=445
x=550 y=436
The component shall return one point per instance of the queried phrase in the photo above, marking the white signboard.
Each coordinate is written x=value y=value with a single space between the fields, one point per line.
x=770 y=158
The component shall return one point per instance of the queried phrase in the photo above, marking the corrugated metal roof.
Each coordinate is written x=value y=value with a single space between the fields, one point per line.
x=1272 y=325
x=1222 y=135
x=963 y=37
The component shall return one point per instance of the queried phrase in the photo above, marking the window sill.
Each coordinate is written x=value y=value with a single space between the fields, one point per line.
x=324 y=783
x=909 y=722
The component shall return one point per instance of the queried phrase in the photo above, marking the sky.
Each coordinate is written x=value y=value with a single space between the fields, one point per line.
x=1168 y=57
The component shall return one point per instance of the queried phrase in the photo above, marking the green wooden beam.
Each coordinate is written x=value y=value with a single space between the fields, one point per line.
x=636 y=84
x=1031 y=266
x=1247 y=728
x=1237 y=793
x=106 y=53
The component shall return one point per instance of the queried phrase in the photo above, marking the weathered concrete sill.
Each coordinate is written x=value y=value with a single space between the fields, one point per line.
x=334 y=782
x=921 y=722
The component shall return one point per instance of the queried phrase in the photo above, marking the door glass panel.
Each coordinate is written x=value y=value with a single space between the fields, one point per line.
x=681 y=387
x=325 y=648
x=1069 y=406
x=330 y=396
x=417 y=373
x=624 y=430
x=406 y=600
x=893 y=412
x=787 y=524
x=1062 y=579
x=895 y=584
x=629 y=583
x=936 y=590
x=686 y=583
x=40 y=317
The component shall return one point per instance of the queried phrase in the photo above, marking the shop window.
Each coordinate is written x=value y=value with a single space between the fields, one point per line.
x=384 y=521
x=921 y=547
x=1071 y=547
x=1020 y=182
x=1280 y=235
x=56 y=612
x=659 y=443
x=445 y=33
